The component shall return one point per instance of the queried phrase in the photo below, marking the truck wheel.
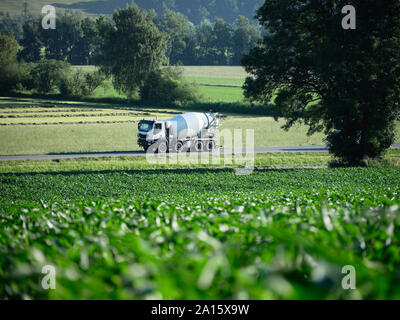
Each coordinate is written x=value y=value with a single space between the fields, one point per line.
x=151 y=149
x=199 y=146
x=162 y=147
x=179 y=146
x=210 y=145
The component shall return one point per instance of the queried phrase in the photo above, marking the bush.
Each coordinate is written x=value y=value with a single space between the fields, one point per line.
x=25 y=79
x=93 y=81
x=10 y=77
x=72 y=84
x=48 y=75
x=80 y=83
x=8 y=50
x=16 y=76
x=9 y=69
x=167 y=85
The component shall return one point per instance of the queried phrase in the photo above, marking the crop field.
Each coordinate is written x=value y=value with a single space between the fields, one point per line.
x=201 y=234
x=34 y=126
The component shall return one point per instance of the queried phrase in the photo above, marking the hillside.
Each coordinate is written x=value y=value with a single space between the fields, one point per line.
x=195 y=10
x=34 y=6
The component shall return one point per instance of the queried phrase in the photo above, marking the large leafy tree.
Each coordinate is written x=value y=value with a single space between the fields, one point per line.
x=8 y=50
x=131 y=48
x=178 y=28
x=31 y=41
x=74 y=39
x=245 y=37
x=84 y=44
x=12 y=25
x=9 y=71
x=60 y=42
x=343 y=82
x=223 y=40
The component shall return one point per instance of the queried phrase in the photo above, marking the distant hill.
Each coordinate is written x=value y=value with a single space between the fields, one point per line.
x=195 y=10
x=34 y=7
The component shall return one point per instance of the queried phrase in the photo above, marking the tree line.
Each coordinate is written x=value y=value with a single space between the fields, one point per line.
x=77 y=39
x=130 y=50
x=195 y=10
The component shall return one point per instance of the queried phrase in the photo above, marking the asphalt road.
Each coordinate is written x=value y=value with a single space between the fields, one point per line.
x=141 y=153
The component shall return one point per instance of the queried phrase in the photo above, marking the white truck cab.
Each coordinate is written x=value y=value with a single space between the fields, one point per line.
x=190 y=131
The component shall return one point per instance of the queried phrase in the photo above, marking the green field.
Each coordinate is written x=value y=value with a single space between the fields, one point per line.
x=201 y=234
x=125 y=228
x=108 y=137
x=288 y=160
x=34 y=6
x=227 y=72
x=43 y=126
x=221 y=93
x=216 y=84
x=217 y=81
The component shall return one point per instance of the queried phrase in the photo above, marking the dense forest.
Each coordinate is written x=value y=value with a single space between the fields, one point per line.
x=137 y=50
x=195 y=10
x=76 y=38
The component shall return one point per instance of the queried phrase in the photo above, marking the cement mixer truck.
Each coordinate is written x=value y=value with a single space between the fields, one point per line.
x=192 y=131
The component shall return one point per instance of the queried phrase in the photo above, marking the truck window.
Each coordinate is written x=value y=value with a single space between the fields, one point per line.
x=145 y=126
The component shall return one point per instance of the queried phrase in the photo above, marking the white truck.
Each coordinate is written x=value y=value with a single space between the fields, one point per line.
x=192 y=131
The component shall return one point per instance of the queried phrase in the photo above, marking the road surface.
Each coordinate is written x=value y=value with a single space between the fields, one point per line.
x=142 y=153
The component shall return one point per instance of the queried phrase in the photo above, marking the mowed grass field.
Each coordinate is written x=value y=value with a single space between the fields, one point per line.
x=216 y=83
x=40 y=127
x=45 y=127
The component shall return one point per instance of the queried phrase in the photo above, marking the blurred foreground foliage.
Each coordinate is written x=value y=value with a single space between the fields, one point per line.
x=275 y=234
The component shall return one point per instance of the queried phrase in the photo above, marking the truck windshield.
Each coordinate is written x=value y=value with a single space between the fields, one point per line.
x=145 y=126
